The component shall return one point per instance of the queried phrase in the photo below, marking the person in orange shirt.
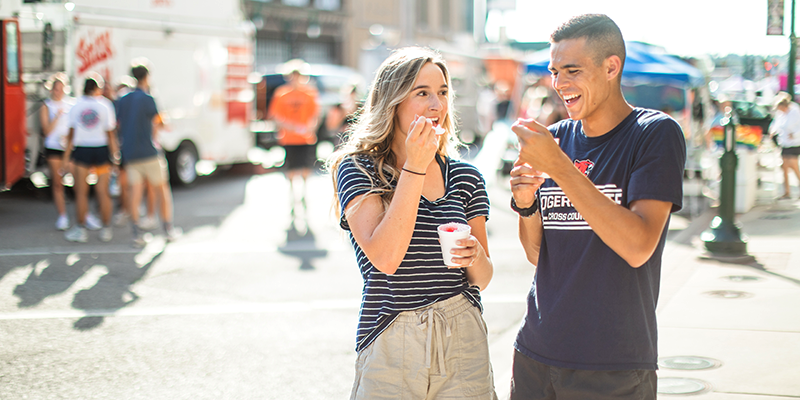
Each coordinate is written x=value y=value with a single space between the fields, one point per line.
x=295 y=109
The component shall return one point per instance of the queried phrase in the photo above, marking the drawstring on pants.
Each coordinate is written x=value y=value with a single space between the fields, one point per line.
x=432 y=320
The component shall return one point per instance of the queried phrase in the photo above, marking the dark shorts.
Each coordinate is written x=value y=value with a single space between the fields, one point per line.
x=50 y=153
x=533 y=380
x=91 y=156
x=790 y=151
x=300 y=156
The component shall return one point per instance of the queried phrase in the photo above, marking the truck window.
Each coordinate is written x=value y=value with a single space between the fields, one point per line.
x=12 y=53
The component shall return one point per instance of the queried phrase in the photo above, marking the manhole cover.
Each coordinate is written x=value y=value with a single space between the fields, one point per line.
x=784 y=211
x=688 y=363
x=728 y=294
x=774 y=217
x=681 y=386
x=741 y=278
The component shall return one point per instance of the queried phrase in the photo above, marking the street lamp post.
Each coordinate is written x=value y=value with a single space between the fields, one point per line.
x=792 y=55
x=723 y=238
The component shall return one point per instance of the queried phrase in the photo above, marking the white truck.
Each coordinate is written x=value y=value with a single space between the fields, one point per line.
x=199 y=51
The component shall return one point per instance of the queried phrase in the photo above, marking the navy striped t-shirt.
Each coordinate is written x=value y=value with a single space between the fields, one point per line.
x=422 y=278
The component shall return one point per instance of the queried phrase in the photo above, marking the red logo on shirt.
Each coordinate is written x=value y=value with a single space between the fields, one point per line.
x=584 y=166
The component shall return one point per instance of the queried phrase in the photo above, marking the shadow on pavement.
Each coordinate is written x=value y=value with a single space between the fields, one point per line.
x=302 y=244
x=112 y=292
x=102 y=275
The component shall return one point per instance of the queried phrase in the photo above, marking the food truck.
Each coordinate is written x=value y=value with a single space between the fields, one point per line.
x=13 y=133
x=199 y=53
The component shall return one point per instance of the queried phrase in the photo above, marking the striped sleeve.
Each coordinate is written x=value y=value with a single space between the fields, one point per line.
x=473 y=187
x=351 y=182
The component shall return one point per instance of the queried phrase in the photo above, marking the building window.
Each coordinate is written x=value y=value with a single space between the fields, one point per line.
x=317 y=53
x=422 y=14
x=328 y=5
x=270 y=52
x=469 y=16
x=12 y=53
x=296 y=3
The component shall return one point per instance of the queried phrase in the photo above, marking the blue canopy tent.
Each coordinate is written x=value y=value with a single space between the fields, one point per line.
x=644 y=65
x=651 y=78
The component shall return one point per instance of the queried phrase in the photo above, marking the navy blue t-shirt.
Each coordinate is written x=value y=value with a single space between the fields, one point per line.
x=588 y=308
x=422 y=278
x=135 y=112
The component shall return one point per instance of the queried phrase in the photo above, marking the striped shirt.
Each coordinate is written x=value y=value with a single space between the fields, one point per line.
x=422 y=278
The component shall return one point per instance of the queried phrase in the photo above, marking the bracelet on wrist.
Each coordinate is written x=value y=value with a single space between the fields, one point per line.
x=413 y=172
x=525 y=212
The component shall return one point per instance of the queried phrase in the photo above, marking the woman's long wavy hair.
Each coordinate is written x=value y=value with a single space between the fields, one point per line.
x=372 y=134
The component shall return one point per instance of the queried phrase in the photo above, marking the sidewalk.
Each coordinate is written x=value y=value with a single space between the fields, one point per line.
x=742 y=321
x=744 y=318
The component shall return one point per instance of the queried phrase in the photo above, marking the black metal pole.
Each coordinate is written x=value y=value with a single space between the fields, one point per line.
x=723 y=236
x=792 y=55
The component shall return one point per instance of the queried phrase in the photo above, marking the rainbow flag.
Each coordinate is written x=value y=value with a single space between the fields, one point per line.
x=748 y=135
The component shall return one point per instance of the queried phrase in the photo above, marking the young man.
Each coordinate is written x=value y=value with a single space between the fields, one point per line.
x=295 y=109
x=596 y=228
x=137 y=115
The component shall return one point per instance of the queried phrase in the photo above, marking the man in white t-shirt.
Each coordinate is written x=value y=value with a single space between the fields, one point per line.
x=91 y=133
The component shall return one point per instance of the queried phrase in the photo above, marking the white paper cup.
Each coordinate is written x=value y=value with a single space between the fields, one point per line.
x=448 y=235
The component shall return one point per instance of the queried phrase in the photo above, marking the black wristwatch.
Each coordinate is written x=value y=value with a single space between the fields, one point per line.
x=525 y=212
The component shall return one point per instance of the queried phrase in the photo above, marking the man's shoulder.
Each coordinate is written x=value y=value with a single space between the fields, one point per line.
x=81 y=103
x=306 y=91
x=648 y=116
x=135 y=96
x=105 y=101
x=310 y=90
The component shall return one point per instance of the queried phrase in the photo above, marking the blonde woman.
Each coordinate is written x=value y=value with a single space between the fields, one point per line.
x=420 y=333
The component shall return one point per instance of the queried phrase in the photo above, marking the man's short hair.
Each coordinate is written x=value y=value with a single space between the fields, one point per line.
x=93 y=81
x=602 y=35
x=139 y=72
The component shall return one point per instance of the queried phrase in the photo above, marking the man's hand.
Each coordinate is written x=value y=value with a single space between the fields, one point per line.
x=537 y=148
x=524 y=183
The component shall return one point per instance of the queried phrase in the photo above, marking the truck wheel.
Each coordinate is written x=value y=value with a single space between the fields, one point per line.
x=182 y=164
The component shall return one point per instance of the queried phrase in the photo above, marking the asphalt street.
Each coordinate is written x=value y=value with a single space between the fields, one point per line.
x=253 y=302
x=250 y=303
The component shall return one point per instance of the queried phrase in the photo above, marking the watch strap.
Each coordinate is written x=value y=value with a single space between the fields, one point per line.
x=525 y=212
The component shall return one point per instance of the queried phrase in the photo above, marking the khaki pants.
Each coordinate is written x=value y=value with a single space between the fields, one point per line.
x=154 y=169
x=437 y=352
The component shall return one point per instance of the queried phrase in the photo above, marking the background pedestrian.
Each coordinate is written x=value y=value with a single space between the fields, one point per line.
x=55 y=128
x=295 y=109
x=91 y=132
x=786 y=127
x=138 y=119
